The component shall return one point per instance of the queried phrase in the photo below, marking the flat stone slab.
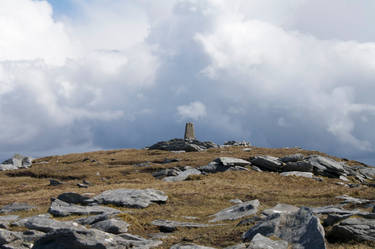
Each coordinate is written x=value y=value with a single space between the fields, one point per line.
x=114 y=226
x=358 y=229
x=298 y=173
x=15 y=207
x=349 y=199
x=133 y=198
x=60 y=209
x=237 y=211
x=261 y=242
x=281 y=209
x=45 y=224
x=189 y=246
x=268 y=163
x=171 y=226
x=182 y=175
x=140 y=242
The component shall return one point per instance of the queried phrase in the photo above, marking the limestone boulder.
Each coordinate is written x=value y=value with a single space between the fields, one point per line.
x=237 y=211
x=298 y=173
x=114 y=226
x=16 y=207
x=16 y=162
x=133 y=198
x=358 y=229
x=281 y=209
x=261 y=242
x=267 y=163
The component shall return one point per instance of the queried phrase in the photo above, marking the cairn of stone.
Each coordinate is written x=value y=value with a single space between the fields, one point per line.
x=189 y=132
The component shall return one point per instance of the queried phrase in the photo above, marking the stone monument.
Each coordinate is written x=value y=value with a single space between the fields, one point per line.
x=189 y=131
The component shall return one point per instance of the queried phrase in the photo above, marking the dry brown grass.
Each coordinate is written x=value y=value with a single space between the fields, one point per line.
x=200 y=196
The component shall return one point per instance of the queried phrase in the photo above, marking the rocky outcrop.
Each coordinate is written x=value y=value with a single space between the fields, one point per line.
x=268 y=163
x=60 y=208
x=222 y=164
x=358 y=229
x=302 y=229
x=114 y=226
x=189 y=246
x=176 y=174
x=183 y=145
x=73 y=198
x=281 y=209
x=237 y=211
x=298 y=173
x=168 y=226
x=261 y=242
x=16 y=207
x=16 y=162
x=133 y=198
x=237 y=143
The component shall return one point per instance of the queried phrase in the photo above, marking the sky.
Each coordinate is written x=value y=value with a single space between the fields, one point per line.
x=84 y=75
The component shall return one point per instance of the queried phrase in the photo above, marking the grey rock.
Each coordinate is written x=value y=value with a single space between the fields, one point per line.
x=189 y=246
x=297 y=173
x=134 y=198
x=73 y=198
x=337 y=209
x=353 y=200
x=255 y=168
x=250 y=221
x=8 y=236
x=22 y=222
x=292 y=158
x=268 y=163
x=54 y=182
x=182 y=144
x=31 y=235
x=302 y=166
x=368 y=172
x=326 y=167
x=93 y=219
x=169 y=226
x=301 y=228
x=139 y=242
x=114 y=226
x=166 y=172
x=82 y=185
x=222 y=164
x=17 y=244
x=281 y=209
x=81 y=238
x=359 y=229
x=238 y=246
x=60 y=208
x=15 y=207
x=236 y=201
x=237 y=143
x=182 y=175
x=261 y=242
x=334 y=218
x=238 y=211
x=9 y=218
x=16 y=162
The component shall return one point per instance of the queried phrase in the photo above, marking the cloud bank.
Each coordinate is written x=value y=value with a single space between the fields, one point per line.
x=128 y=73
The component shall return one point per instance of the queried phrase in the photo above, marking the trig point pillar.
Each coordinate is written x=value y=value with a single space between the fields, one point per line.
x=189 y=131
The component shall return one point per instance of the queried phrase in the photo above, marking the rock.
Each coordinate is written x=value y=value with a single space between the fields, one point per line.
x=166 y=172
x=114 y=226
x=344 y=178
x=268 y=163
x=60 y=209
x=255 y=168
x=326 y=167
x=93 y=219
x=168 y=226
x=9 y=218
x=81 y=238
x=168 y=160
x=222 y=164
x=358 y=229
x=238 y=246
x=334 y=218
x=16 y=162
x=47 y=225
x=31 y=235
x=8 y=236
x=16 y=207
x=82 y=185
x=139 y=242
x=237 y=211
x=292 y=158
x=17 y=244
x=183 y=175
x=349 y=199
x=261 y=242
x=337 y=209
x=368 y=172
x=251 y=220
x=73 y=198
x=134 y=198
x=301 y=228
x=302 y=166
x=298 y=173
x=247 y=149
x=22 y=222
x=182 y=144
x=189 y=246
x=281 y=209
x=236 y=201
x=237 y=143
x=54 y=182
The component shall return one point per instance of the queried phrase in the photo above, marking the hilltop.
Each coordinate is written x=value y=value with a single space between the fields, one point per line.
x=192 y=200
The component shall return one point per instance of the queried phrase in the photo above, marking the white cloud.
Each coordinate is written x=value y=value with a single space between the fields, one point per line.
x=194 y=110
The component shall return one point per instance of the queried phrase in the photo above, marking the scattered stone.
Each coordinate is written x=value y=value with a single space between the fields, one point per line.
x=139 y=242
x=297 y=173
x=326 y=167
x=168 y=226
x=54 y=182
x=268 y=163
x=15 y=207
x=250 y=221
x=236 y=201
x=281 y=209
x=358 y=229
x=81 y=238
x=353 y=200
x=189 y=246
x=7 y=236
x=238 y=211
x=73 y=198
x=182 y=144
x=133 y=198
x=302 y=166
x=9 y=218
x=16 y=162
x=60 y=208
x=301 y=228
x=93 y=219
x=261 y=242
x=82 y=185
x=368 y=172
x=222 y=164
x=114 y=226
x=47 y=225
x=183 y=175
